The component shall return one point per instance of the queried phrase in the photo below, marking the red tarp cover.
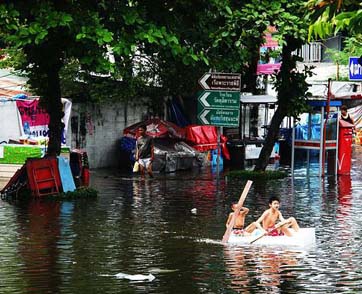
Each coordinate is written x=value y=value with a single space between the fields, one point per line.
x=204 y=138
x=156 y=128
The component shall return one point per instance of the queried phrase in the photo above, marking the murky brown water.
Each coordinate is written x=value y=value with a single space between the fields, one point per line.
x=146 y=227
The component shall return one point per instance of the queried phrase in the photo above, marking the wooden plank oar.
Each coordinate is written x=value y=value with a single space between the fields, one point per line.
x=277 y=226
x=226 y=236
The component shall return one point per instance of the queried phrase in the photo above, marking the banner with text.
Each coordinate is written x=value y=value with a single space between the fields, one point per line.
x=35 y=119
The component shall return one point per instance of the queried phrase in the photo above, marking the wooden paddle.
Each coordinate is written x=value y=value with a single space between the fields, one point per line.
x=277 y=226
x=226 y=236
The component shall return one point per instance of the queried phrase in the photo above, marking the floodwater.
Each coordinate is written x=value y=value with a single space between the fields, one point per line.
x=146 y=227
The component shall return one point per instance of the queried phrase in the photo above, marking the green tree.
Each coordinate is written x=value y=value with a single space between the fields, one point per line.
x=41 y=37
x=351 y=48
x=290 y=19
x=330 y=17
x=159 y=48
x=244 y=26
x=203 y=37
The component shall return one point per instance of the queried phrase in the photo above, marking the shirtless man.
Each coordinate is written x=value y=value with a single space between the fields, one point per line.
x=239 y=221
x=268 y=220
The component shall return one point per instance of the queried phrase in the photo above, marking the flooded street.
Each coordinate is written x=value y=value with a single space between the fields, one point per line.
x=146 y=227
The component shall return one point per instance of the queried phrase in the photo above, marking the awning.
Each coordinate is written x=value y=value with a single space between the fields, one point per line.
x=156 y=128
x=339 y=89
x=260 y=99
x=348 y=95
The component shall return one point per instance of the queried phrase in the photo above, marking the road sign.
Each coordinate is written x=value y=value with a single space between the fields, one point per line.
x=219 y=99
x=355 y=69
x=221 y=81
x=219 y=117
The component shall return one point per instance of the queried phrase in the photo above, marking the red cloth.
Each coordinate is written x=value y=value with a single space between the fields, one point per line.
x=272 y=231
x=156 y=128
x=204 y=138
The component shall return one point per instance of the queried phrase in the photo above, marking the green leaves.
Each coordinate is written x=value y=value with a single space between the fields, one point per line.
x=331 y=17
x=131 y=17
x=228 y=10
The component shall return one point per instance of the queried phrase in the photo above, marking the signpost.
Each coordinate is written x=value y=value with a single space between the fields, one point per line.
x=222 y=107
x=219 y=103
x=355 y=68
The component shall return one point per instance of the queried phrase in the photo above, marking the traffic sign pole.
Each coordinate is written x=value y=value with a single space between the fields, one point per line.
x=219 y=103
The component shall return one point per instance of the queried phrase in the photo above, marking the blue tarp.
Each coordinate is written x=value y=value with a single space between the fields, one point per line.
x=176 y=113
x=128 y=145
x=301 y=132
x=65 y=174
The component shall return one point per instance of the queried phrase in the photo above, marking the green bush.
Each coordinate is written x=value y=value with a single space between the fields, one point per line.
x=250 y=174
x=81 y=192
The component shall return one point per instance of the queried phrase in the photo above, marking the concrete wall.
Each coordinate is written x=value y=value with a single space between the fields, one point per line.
x=98 y=129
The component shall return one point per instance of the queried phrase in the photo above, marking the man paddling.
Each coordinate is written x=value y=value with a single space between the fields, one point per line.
x=267 y=222
x=231 y=224
x=238 y=227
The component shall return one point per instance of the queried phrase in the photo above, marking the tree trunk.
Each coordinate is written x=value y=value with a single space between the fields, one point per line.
x=250 y=75
x=270 y=140
x=53 y=105
x=285 y=94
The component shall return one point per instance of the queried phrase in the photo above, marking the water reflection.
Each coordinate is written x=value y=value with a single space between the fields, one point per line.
x=236 y=263
x=38 y=234
x=345 y=190
x=270 y=269
x=146 y=226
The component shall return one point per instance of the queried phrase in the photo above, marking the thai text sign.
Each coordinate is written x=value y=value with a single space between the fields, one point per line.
x=221 y=81
x=220 y=117
x=219 y=99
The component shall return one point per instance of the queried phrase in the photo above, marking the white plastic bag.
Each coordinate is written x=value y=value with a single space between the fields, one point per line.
x=136 y=167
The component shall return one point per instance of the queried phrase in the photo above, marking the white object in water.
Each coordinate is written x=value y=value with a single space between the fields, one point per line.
x=194 y=210
x=137 y=277
x=303 y=238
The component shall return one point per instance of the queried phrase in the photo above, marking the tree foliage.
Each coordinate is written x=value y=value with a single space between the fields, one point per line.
x=352 y=47
x=131 y=49
x=41 y=37
x=330 y=17
x=292 y=88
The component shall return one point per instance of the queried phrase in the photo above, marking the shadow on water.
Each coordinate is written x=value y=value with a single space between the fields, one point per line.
x=171 y=226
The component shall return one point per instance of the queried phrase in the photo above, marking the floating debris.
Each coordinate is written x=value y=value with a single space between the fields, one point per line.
x=138 y=277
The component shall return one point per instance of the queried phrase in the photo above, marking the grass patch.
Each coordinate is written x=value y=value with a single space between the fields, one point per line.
x=81 y=192
x=263 y=175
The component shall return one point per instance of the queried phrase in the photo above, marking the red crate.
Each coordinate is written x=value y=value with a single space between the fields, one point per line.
x=43 y=176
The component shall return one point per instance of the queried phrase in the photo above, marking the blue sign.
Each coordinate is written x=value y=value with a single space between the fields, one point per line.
x=355 y=69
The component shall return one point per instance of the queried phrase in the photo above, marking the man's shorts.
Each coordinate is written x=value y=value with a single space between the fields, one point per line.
x=238 y=231
x=272 y=231
x=145 y=162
